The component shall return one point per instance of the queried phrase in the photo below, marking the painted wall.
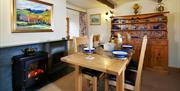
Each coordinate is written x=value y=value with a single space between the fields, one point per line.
x=148 y=6
x=11 y=39
x=74 y=26
x=14 y=39
x=104 y=28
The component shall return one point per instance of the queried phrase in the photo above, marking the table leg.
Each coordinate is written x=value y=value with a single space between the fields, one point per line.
x=120 y=81
x=78 y=79
x=94 y=83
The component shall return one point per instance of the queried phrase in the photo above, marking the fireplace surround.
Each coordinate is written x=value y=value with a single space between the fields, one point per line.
x=54 y=72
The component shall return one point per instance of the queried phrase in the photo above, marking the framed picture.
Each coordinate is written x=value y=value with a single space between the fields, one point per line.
x=32 y=16
x=95 y=19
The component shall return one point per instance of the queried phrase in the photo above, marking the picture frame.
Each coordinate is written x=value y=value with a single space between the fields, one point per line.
x=31 y=16
x=95 y=19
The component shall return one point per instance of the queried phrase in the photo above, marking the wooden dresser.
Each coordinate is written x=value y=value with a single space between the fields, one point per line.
x=154 y=25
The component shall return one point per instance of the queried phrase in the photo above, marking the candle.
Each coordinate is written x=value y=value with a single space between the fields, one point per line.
x=91 y=41
x=119 y=39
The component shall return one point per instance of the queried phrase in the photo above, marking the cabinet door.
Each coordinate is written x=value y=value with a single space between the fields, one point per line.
x=147 y=57
x=159 y=57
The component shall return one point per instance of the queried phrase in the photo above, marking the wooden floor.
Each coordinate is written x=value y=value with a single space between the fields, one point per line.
x=65 y=83
x=152 y=81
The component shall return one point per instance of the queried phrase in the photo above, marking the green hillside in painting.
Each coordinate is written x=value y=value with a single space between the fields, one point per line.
x=33 y=19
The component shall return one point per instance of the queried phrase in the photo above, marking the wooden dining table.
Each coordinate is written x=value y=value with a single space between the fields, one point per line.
x=102 y=62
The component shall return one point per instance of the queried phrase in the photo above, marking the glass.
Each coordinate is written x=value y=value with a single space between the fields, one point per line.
x=89 y=53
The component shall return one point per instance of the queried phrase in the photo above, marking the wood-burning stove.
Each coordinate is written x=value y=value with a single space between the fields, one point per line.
x=29 y=71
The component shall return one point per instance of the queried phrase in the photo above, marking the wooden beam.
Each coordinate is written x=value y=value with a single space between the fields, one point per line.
x=106 y=2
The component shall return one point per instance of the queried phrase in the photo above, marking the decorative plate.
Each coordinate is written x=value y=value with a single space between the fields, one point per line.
x=127 y=46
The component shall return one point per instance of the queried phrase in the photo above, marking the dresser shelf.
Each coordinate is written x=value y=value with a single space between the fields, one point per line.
x=154 y=25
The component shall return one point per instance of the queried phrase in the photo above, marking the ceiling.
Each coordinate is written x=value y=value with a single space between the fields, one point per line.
x=86 y=4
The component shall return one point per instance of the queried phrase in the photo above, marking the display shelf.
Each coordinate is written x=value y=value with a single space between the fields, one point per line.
x=139 y=23
x=154 y=25
x=117 y=30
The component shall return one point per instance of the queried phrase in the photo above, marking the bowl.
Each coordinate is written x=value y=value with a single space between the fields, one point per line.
x=120 y=54
x=89 y=50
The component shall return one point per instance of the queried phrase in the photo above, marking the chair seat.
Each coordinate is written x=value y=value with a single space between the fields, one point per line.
x=130 y=77
x=133 y=65
x=91 y=72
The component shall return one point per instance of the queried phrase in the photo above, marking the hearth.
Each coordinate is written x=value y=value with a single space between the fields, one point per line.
x=29 y=71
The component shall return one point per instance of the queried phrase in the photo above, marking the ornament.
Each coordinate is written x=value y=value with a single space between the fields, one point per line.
x=160 y=7
x=136 y=8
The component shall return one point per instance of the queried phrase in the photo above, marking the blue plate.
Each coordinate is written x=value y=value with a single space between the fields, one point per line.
x=127 y=46
x=120 y=54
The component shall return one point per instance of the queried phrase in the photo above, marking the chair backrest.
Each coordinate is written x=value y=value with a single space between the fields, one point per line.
x=96 y=40
x=96 y=37
x=79 y=41
x=128 y=38
x=140 y=65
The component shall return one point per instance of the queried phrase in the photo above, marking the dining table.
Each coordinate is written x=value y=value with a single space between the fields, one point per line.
x=103 y=61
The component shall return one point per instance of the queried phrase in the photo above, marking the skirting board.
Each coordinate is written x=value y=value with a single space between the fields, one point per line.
x=174 y=69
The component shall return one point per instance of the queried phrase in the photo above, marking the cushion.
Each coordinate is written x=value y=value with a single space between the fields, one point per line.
x=130 y=77
x=133 y=65
x=91 y=72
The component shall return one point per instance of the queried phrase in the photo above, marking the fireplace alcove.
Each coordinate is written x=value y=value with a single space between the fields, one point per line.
x=55 y=50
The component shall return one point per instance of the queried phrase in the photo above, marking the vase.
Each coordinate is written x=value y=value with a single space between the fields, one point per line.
x=160 y=8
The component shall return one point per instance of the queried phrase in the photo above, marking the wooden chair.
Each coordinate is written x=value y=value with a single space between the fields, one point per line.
x=77 y=41
x=132 y=78
x=96 y=40
x=89 y=74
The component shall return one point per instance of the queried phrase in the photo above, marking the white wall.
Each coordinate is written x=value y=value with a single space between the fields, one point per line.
x=148 y=6
x=74 y=26
x=11 y=39
x=68 y=5
x=174 y=31
x=104 y=28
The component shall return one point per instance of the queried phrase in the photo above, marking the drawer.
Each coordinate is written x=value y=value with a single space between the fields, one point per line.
x=159 y=42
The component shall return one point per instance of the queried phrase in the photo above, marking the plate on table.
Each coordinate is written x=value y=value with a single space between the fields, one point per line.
x=120 y=54
x=127 y=46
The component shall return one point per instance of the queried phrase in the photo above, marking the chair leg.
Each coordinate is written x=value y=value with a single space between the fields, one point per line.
x=106 y=83
x=85 y=84
x=94 y=79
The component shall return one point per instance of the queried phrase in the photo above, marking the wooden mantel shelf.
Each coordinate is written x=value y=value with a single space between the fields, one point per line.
x=147 y=15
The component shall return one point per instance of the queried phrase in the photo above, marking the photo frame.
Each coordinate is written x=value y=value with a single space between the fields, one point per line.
x=31 y=16
x=95 y=19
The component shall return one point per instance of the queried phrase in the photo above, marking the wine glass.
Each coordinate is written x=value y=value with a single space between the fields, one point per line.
x=89 y=52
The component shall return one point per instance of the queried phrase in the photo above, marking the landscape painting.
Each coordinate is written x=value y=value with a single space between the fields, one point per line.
x=32 y=16
x=95 y=19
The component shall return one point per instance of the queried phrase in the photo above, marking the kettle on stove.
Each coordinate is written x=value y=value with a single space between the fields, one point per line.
x=29 y=51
